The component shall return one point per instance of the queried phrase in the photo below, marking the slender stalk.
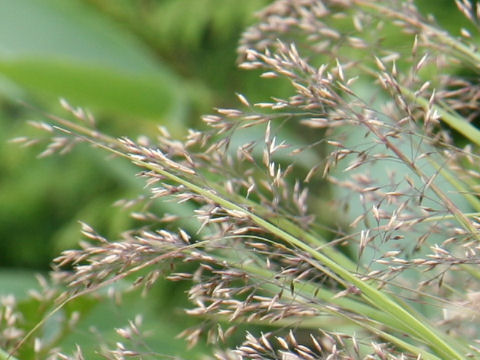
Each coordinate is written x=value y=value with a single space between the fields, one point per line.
x=448 y=116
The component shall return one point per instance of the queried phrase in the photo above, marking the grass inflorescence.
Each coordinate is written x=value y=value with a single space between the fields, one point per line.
x=338 y=222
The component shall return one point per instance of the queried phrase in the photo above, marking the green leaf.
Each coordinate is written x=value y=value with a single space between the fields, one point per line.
x=59 y=48
x=92 y=86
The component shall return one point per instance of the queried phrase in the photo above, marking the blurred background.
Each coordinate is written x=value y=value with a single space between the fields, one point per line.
x=135 y=64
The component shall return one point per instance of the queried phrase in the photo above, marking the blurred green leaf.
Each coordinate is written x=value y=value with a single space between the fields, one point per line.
x=60 y=48
x=103 y=88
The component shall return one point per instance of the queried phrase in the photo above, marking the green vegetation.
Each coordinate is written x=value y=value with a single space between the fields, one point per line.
x=331 y=213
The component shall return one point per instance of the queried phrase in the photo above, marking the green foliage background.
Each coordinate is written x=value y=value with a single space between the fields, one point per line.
x=135 y=64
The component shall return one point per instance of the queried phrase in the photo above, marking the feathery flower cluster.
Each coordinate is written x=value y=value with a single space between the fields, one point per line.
x=346 y=226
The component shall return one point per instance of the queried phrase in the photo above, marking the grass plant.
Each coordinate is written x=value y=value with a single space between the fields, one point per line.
x=340 y=222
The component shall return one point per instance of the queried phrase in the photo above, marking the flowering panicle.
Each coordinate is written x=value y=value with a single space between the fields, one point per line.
x=339 y=221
